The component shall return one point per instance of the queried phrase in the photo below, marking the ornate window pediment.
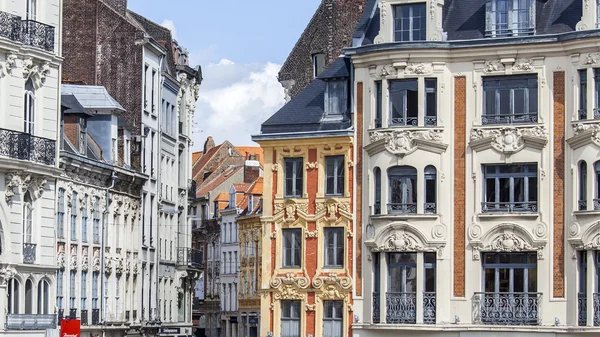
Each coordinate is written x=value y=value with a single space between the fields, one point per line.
x=329 y=209
x=507 y=238
x=289 y=209
x=401 y=237
x=341 y=282
x=588 y=240
x=289 y=279
x=508 y=139
x=585 y=134
x=405 y=142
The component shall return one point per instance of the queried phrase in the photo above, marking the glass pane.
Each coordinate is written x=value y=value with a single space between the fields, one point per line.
x=505 y=101
x=519 y=101
x=490 y=102
x=519 y=189
x=490 y=190
x=533 y=100
x=532 y=282
x=490 y=258
x=412 y=103
x=504 y=280
x=411 y=279
x=429 y=279
x=504 y=189
x=489 y=279
x=396 y=280
x=519 y=280
x=533 y=189
x=430 y=190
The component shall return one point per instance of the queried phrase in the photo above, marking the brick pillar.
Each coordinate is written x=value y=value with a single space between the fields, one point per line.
x=559 y=179
x=460 y=109
x=359 y=184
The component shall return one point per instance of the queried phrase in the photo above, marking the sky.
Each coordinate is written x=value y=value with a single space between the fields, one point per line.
x=240 y=46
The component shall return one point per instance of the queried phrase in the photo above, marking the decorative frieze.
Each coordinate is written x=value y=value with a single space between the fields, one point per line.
x=585 y=134
x=507 y=242
x=299 y=281
x=508 y=139
x=7 y=67
x=35 y=72
x=493 y=66
x=343 y=282
x=418 y=69
x=404 y=142
x=23 y=181
x=400 y=242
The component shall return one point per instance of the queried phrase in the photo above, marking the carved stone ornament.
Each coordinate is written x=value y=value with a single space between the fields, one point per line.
x=73 y=259
x=7 y=67
x=135 y=268
x=343 y=282
x=589 y=59
x=310 y=307
x=312 y=166
x=493 y=66
x=585 y=134
x=290 y=212
x=382 y=11
x=119 y=266
x=331 y=293
x=593 y=244
x=384 y=71
x=96 y=261
x=36 y=73
x=507 y=242
x=310 y=235
x=404 y=142
x=85 y=261
x=60 y=258
x=6 y=274
x=108 y=267
x=299 y=281
x=510 y=139
x=400 y=242
x=418 y=69
x=289 y=292
x=523 y=65
x=332 y=207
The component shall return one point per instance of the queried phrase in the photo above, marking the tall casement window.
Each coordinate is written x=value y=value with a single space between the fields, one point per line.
x=60 y=279
x=318 y=64
x=27 y=218
x=597 y=92
x=376 y=288
x=597 y=186
x=43 y=297
x=14 y=300
x=429 y=290
x=336 y=99
x=293 y=177
x=378 y=103
x=333 y=318
x=31 y=9
x=377 y=192
x=152 y=102
x=60 y=214
x=402 y=288
x=290 y=318
x=146 y=87
x=72 y=289
x=582 y=111
x=83 y=290
x=510 y=99
x=96 y=220
x=582 y=202
x=29 y=297
x=118 y=293
x=510 y=289
x=510 y=188
x=95 y=277
x=584 y=269
x=430 y=102
x=430 y=190
x=404 y=102
x=510 y=18
x=403 y=189
x=74 y=217
x=582 y=293
x=292 y=247
x=334 y=175
x=334 y=247
x=29 y=108
x=410 y=22
x=84 y=220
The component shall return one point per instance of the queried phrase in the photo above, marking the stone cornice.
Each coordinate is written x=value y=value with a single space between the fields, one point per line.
x=508 y=140
x=403 y=142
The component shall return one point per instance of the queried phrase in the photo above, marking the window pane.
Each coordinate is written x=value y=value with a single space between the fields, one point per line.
x=504 y=101
x=519 y=280
x=429 y=279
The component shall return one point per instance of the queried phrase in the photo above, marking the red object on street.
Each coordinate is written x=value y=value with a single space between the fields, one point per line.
x=70 y=328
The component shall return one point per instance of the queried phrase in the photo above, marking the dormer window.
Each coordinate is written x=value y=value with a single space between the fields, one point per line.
x=232 y=198
x=336 y=99
x=510 y=18
x=410 y=22
x=318 y=64
x=82 y=135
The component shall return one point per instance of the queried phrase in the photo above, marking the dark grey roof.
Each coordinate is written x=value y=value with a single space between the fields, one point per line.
x=71 y=105
x=365 y=18
x=373 y=28
x=305 y=112
x=93 y=97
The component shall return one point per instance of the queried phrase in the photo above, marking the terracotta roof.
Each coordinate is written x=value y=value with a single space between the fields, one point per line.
x=217 y=181
x=256 y=150
x=241 y=187
x=196 y=156
x=204 y=160
x=257 y=186
x=222 y=197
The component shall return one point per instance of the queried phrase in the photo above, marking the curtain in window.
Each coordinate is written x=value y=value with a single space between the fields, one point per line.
x=334 y=247
x=404 y=101
x=333 y=318
x=293 y=177
x=290 y=318
x=336 y=97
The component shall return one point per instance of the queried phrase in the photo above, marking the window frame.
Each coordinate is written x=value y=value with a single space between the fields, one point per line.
x=430 y=197
x=512 y=25
x=378 y=120
x=529 y=172
x=404 y=175
x=317 y=70
x=295 y=239
x=583 y=84
x=60 y=214
x=582 y=189
x=74 y=216
x=405 y=116
x=336 y=321
x=431 y=100
x=297 y=177
x=496 y=85
x=27 y=218
x=336 y=98
x=29 y=105
x=422 y=28
x=338 y=161
x=331 y=250
x=295 y=315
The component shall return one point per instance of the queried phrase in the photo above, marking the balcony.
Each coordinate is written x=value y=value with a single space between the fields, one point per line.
x=402 y=208
x=507 y=308
x=30 y=322
x=191 y=189
x=28 y=32
x=509 y=207
x=84 y=317
x=29 y=253
x=582 y=309
x=528 y=118
x=401 y=308
x=23 y=146
x=402 y=121
x=95 y=316
x=61 y=315
x=73 y=313
x=430 y=208
x=597 y=204
x=190 y=257
x=376 y=308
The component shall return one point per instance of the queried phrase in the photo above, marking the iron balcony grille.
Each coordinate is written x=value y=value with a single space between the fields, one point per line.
x=38 y=35
x=582 y=205
x=73 y=313
x=507 y=32
x=29 y=252
x=189 y=257
x=30 y=322
x=401 y=308
x=95 y=316
x=429 y=306
x=596 y=309
x=376 y=308
x=10 y=26
x=84 y=317
x=23 y=146
x=408 y=121
x=582 y=309
x=582 y=114
x=430 y=120
x=430 y=208
x=402 y=208
x=509 y=119
x=596 y=204
x=509 y=207
x=515 y=308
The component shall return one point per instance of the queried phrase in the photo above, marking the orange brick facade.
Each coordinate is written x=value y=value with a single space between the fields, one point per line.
x=359 y=184
x=559 y=180
x=460 y=99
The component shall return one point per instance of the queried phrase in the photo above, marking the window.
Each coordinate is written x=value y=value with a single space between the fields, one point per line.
x=250 y=203
x=510 y=288
x=84 y=220
x=510 y=188
x=318 y=64
x=333 y=318
x=377 y=197
x=72 y=290
x=29 y=108
x=232 y=197
x=410 y=22
x=74 y=217
x=153 y=89
x=29 y=297
x=510 y=99
x=82 y=135
x=582 y=186
x=95 y=277
x=597 y=92
x=290 y=318
x=582 y=112
x=293 y=177
x=146 y=87
x=597 y=186
x=117 y=294
x=83 y=290
x=292 y=247
x=430 y=190
x=31 y=9
x=14 y=291
x=378 y=103
x=404 y=102
x=336 y=98
x=402 y=287
x=43 y=297
x=96 y=220
x=334 y=247
x=27 y=218
x=430 y=102
x=60 y=214
x=60 y=274
x=403 y=189
x=510 y=18
x=334 y=175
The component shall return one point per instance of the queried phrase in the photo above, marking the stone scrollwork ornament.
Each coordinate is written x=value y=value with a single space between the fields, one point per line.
x=119 y=266
x=399 y=242
x=510 y=139
x=289 y=292
x=36 y=73
x=6 y=274
x=493 y=66
x=343 y=282
x=402 y=142
x=299 y=281
x=96 y=261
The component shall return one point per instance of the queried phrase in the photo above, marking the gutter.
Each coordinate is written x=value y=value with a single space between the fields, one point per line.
x=304 y=134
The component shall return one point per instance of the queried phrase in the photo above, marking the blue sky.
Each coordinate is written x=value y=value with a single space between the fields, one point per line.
x=241 y=46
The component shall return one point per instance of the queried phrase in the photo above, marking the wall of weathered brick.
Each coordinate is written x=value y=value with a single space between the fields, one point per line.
x=71 y=129
x=460 y=109
x=329 y=31
x=559 y=182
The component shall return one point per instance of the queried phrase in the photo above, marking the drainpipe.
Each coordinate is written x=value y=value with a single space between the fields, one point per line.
x=104 y=219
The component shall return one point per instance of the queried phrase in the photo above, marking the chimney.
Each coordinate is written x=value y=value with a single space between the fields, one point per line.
x=209 y=144
x=251 y=171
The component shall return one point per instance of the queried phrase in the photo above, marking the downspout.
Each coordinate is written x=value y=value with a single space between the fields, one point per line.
x=104 y=219
x=158 y=184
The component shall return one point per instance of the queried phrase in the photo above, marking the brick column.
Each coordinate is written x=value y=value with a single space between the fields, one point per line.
x=559 y=180
x=460 y=109
x=359 y=184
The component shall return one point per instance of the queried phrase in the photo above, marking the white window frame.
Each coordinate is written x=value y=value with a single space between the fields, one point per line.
x=29 y=108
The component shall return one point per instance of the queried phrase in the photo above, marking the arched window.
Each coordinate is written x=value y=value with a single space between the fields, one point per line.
x=403 y=189
x=597 y=186
x=430 y=190
x=43 y=297
x=582 y=186
x=29 y=108
x=377 y=178
x=14 y=289
x=29 y=297
x=27 y=218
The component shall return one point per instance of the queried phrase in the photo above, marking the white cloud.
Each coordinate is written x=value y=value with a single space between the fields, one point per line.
x=169 y=24
x=235 y=99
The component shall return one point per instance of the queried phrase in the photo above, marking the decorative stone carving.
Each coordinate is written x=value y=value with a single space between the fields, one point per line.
x=275 y=167
x=6 y=274
x=299 y=281
x=382 y=11
x=37 y=73
x=370 y=230
x=493 y=66
x=85 y=260
x=289 y=292
x=60 y=258
x=277 y=208
x=403 y=142
x=290 y=212
x=73 y=259
x=418 y=69
x=383 y=71
x=400 y=242
x=509 y=139
x=310 y=307
x=7 y=67
x=108 y=266
x=331 y=293
x=310 y=235
x=589 y=59
x=438 y=231
x=135 y=268
x=475 y=231
x=312 y=166
x=574 y=229
x=343 y=282
x=96 y=261
x=507 y=242
x=585 y=134
x=541 y=230
x=523 y=65
x=119 y=266
x=593 y=244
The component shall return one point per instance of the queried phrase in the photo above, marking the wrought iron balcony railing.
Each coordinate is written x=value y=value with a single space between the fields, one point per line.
x=509 y=207
x=429 y=307
x=430 y=208
x=515 y=308
x=190 y=257
x=23 y=146
x=509 y=119
x=582 y=113
x=376 y=308
x=582 y=205
x=191 y=189
x=596 y=309
x=37 y=34
x=95 y=316
x=10 y=26
x=30 y=322
x=61 y=315
x=596 y=204
x=84 y=317
x=430 y=120
x=73 y=313
x=377 y=122
x=29 y=253
x=582 y=309
x=377 y=208
x=404 y=121
x=401 y=308
x=402 y=208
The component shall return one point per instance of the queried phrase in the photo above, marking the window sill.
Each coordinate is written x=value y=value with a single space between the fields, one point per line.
x=493 y=215
x=592 y=212
x=405 y=216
